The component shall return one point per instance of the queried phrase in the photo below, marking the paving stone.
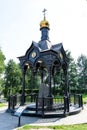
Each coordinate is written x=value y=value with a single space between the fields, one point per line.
x=9 y=122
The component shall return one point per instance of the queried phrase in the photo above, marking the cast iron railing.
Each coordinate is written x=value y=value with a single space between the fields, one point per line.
x=54 y=103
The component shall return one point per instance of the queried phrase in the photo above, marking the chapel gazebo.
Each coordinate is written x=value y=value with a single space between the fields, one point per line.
x=45 y=56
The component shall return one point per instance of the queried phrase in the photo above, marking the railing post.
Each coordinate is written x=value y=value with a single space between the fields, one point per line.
x=68 y=103
x=74 y=99
x=13 y=102
x=80 y=101
x=9 y=103
x=36 y=104
x=19 y=121
x=43 y=107
x=64 y=104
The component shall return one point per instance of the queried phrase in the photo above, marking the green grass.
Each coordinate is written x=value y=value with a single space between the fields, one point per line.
x=62 y=127
x=2 y=104
x=72 y=98
x=84 y=98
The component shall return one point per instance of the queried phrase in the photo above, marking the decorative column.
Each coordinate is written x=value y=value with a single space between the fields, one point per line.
x=33 y=79
x=34 y=73
x=53 y=76
x=66 y=82
x=23 y=85
x=41 y=71
x=50 y=97
x=49 y=80
x=66 y=92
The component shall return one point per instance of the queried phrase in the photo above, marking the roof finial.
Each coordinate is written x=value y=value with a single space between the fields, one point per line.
x=44 y=23
x=44 y=13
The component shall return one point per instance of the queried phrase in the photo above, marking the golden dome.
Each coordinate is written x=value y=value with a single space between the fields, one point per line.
x=44 y=23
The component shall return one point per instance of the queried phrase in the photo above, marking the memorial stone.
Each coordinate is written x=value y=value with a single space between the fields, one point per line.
x=43 y=93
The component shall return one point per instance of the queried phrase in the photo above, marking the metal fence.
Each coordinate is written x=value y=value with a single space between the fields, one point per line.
x=58 y=104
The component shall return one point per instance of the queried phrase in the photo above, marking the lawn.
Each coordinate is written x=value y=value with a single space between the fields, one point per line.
x=84 y=98
x=3 y=104
x=62 y=127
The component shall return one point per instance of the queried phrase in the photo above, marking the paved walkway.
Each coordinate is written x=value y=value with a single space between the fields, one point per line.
x=9 y=122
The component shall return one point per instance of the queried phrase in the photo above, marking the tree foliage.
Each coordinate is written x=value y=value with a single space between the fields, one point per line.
x=32 y=81
x=72 y=72
x=12 y=77
x=2 y=69
x=82 y=71
x=2 y=63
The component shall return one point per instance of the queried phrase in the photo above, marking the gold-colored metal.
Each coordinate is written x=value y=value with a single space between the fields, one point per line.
x=44 y=23
x=61 y=56
x=33 y=54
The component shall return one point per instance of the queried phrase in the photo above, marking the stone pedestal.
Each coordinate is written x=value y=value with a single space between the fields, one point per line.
x=43 y=93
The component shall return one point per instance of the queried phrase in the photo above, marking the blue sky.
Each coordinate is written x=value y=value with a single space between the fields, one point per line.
x=19 y=25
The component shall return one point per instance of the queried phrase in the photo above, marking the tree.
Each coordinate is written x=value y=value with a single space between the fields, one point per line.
x=2 y=69
x=72 y=73
x=12 y=77
x=82 y=71
x=32 y=82
x=2 y=64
